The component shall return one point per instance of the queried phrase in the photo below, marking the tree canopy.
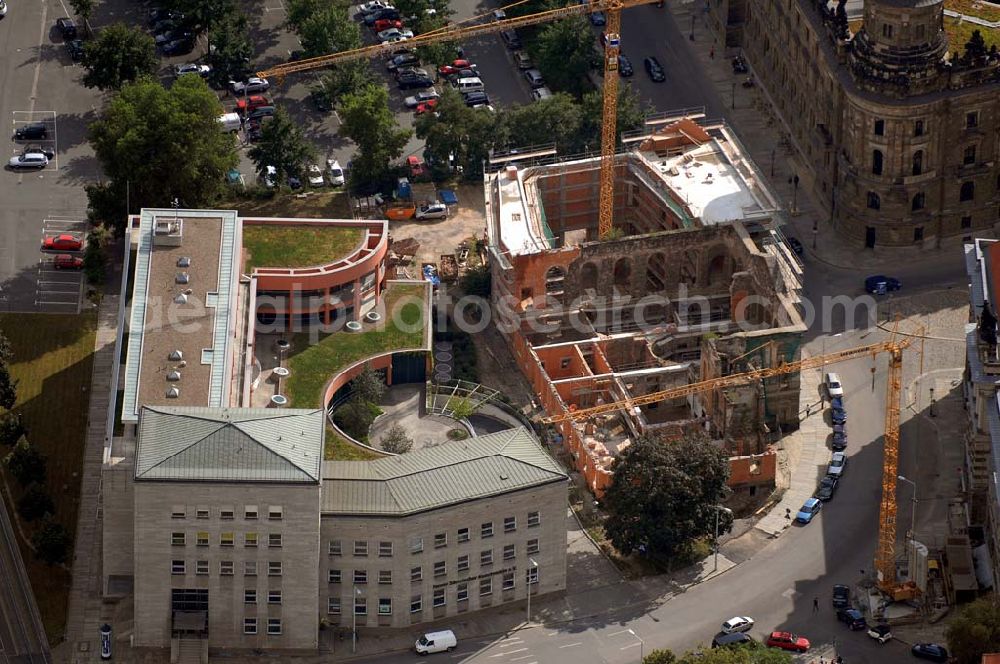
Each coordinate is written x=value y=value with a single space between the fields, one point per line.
x=368 y=386
x=396 y=440
x=974 y=632
x=745 y=654
x=564 y=51
x=328 y=30
x=366 y=119
x=26 y=463
x=231 y=50
x=118 y=55
x=52 y=543
x=555 y=119
x=283 y=146
x=664 y=495
x=466 y=133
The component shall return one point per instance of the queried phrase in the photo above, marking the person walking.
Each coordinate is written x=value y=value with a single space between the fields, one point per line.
x=815 y=604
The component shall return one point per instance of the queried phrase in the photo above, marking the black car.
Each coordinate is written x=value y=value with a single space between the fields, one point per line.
x=931 y=651
x=852 y=618
x=475 y=98
x=179 y=46
x=841 y=596
x=75 y=48
x=827 y=487
x=413 y=78
x=624 y=66
x=795 y=245
x=35 y=131
x=838 y=416
x=159 y=14
x=38 y=149
x=408 y=59
x=172 y=35
x=294 y=182
x=67 y=28
x=654 y=70
x=511 y=39
x=839 y=440
x=166 y=25
x=390 y=13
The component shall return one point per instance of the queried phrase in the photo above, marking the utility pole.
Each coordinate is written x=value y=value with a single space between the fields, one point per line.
x=718 y=509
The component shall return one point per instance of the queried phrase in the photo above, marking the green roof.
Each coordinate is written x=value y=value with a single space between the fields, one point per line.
x=229 y=444
x=435 y=477
x=299 y=245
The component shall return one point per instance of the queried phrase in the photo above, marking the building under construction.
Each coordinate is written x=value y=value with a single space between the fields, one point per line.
x=694 y=281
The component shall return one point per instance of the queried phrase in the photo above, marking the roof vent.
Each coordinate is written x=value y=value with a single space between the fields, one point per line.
x=181 y=299
x=175 y=356
x=173 y=392
x=174 y=376
x=184 y=261
x=504 y=476
x=182 y=278
x=182 y=364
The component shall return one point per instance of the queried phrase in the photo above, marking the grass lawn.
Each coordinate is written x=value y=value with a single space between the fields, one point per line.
x=319 y=204
x=315 y=364
x=297 y=246
x=52 y=362
x=973 y=8
x=960 y=32
x=336 y=448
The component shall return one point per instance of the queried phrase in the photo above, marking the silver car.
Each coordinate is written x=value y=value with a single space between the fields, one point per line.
x=28 y=160
x=252 y=85
x=421 y=97
x=433 y=210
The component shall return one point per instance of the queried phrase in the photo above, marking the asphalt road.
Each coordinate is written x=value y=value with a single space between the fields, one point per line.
x=22 y=637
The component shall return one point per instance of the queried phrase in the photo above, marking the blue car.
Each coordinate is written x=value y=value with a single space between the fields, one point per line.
x=808 y=510
x=879 y=284
x=839 y=416
x=837 y=403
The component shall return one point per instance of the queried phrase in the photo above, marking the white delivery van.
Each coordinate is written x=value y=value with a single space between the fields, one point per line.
x=443 y=641
x=230 y=121
x=471 y=84
x=833 y=385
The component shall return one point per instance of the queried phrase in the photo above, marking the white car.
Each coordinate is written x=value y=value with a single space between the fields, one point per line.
x=395 y=35
x=433 y=210
x=538 y=94
x=335 y=172
x=837 y=464
x=833 y=385
x=421 y=97
x=737 y=624
x=193 y=68
x=315 y=176
x=252 y=85
x=28 y=160
x=366 y=8
x=270 y=177
x=3 y=7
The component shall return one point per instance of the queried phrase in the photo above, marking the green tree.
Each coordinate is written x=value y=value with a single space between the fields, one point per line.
x=341 y=79
x=564 y=52
x=974 y=632
x=298 y=11
x=328 y=31
x=35 y=504
x=83 y=9
x=975 y=48
x=461 y=407
x=659 y=657
x=8 y=388
x=478 y=281
x=282 y=145
x=754 y=653
x=11 y=428
x=205 y=15
x=556 y=120
x=231 y=49
x=26 y=463
x=94 y=259
x=631 y=115
x=52 y=543
x=365 y=118
x=396 y=441
x=368 y=386
x=467 y=134
x=663 y=495
x=165 y=144
x=119 y=54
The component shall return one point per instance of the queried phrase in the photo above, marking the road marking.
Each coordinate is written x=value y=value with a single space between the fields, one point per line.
x=571 y=645
x=52 y=302
x=624 y=631
x=509 y=652
x=514 y=659
x=511 y=638
x=631 y=645
x=38 y=65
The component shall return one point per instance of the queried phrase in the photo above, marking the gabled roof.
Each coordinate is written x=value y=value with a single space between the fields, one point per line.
x=229 y=444
x=430 y=478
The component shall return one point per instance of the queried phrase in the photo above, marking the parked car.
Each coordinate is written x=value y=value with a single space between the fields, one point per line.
x=3 y=8
x=456 y=66
x=262 y=112
x=435 y=210
x=838 y=462
x=31 y=147
x=394 y=35
x=105 y=639
x=34 y=131
x=315 y=175
x=443 y=641
x=366 y=8
x=838 y=416
x=837 y=403
x=193 y=68
x=473 y=99
x=534 y=78
x=67 y=28
x=334 y=172
x=62 y=242
x=796 y=246
x=67 y=262
x=808 y=510
x=294 y=182
x=881 y=632
x=177 y=34
x=181 y=46
x=788 y=641
x=523 y=60
x=421 y=97
x=853 y=618
x=833 y=385
x=827 y=487
x=75 y=48
x=624 y=66
x=413 y=78
x=386 y=24
x=28 y=161
x=654 y=69
x=158 y=14
x=251 y=86
x=878 y=284
x=511 y=39
x=841 y=596
x=426 y=107
x=270 y=177
x=931 y=651
x=166 y=25
x=738 y=624
x=400 y=60
x=839 y=440
x=733 y=640
x=463 y=73
x=538 y=94
x=386 y=12
x=252 y=102
x=499 y=15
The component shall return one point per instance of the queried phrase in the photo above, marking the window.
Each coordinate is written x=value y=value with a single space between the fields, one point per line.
x=564 y=363
x=440 y=568
x=463 y=535
x=532 y=546
x=360 y=606
x=202 y=512
x=177 y=567
x=384 y=549
x=416 y=573
x=972 y=119
x=250 y=540
x=876 y=162
x=274 y=512
x=509 y=524
x=274 y=597
x=226 y=567
x=918 y=201
x=416 y=604
x=333 y=576
x=534 y=519
x=202 y=539
x=918 y=234
x=227 y=513
x=360 y=576
x=886 y=30
x=918 y=162
x=274 y=540
x=226 y=539
x=918 y=128
x=462 y=592
x=384 y=606
x=920 y=31
x=333 y=606
x=486 y=530
x=967 y=192
x=463 y=563
x=509 y=552
x=249 y=568
x=440 y=540
x=249 y=596
x=486 y=586
x=969 y=156
x=416 y=545
x=384 y=576
x=874 y=202
x=439 y=597
x=249 y=625
x=532 y=575
x=508 y=580
x=177 y=539
x=880 y=127
x=250 y=512
x=274 y=568
x=966 y=222
x=334 y=548
x=178 y=512
x=486 y=557
x=360 y=548
x=274 y=626
x=201 y=568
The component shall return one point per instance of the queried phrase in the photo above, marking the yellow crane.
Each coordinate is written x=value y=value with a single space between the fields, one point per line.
x=457 y=32
x=885 y=564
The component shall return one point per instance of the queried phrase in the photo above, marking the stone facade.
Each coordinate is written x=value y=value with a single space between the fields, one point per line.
x=899 y=144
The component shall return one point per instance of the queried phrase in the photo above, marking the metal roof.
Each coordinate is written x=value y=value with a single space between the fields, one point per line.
x=230 y=444
x=435 y=477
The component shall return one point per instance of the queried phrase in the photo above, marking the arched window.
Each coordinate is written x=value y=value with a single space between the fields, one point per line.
x=968 y=191
x=877 y=162
x=874 y=202
x=918 y=201
x=918 y=162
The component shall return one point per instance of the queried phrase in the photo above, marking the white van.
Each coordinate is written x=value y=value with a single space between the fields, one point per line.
x=443 y=641
x=230 y=121
x=833 y=386
x=472 y=84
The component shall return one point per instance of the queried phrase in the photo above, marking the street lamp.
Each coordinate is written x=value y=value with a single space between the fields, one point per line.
x=642 y=644
x=354 y=619
x=913 y=506
x=527 y=584
x=718 y=509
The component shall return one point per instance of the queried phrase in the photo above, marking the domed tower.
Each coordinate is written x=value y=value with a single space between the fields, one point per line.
x=901 y=47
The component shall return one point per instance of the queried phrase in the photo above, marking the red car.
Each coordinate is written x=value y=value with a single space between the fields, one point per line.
x=426 y=106
x=386 y=23
x=454 y=67
x=64 y=242
x=251 y=102
x=788 y=641
x=67 y=262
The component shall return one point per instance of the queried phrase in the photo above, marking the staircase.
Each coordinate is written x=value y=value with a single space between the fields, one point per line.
x=191 y=651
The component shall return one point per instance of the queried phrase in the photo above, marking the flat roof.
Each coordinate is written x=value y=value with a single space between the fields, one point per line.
x=306 y=243
x=163 y=322
x=517 y=231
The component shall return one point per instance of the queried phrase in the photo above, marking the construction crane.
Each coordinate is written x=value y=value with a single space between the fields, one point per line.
x=885 y=557
x=457 y=32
